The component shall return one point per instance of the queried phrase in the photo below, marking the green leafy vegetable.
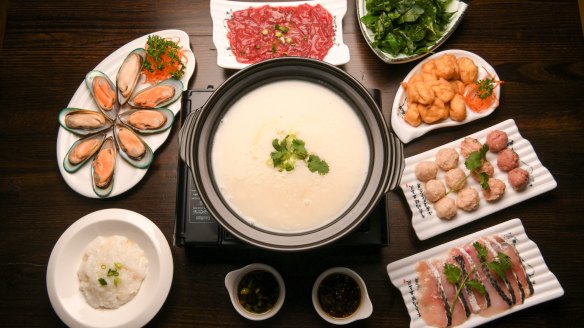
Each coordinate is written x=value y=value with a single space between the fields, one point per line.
x=474 y=161
x=406 y=26
x=500 y=264
x=454 y=276
x=315 y=164
x=289 y=150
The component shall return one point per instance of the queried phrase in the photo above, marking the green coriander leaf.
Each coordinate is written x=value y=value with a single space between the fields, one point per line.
x=481 y=251
x=475 y=159
x=477 y=286
x=452 y=273
x=298 y=149
x=315 y=164
x=484 y=180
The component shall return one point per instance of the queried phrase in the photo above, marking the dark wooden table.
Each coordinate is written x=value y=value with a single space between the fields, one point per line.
x=537 y=48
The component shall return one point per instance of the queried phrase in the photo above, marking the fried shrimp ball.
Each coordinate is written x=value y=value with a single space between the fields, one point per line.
x=469 y=145
x=429 y=67
x=495 y=191
x=468 y=199
x=435 y=112
x=457 y=109
x=445 y=208
x=518 y=178
x=446 y=67
x=443 y=90
x=507 y=160
x=497 y=140
x=457 y=86
x=455 y=179
x=447 y=159
x=426 y=171
x=467 y=69
x=412 y=114
x=434 y=190
x=420 y=92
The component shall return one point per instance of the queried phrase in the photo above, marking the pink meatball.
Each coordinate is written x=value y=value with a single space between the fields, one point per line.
x=495 y=191
x=497 y=140
x=469 y=145
x=518 y=178
x=507 y=160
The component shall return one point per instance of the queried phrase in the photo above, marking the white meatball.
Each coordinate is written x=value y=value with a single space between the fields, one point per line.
x=445 y=208
x=426 y=171
x=468 y=199
x=495 y=191
x=455 y=179
x=434 y=190
x=447 y=159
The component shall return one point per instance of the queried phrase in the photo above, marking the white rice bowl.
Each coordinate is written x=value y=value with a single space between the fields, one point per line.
x=111 y=271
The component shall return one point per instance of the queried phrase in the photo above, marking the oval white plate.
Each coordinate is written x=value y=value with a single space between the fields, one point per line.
x=406 y=132
x=221 y=11
x=546 y=286
x=424 y=220
x=63 y=284
x=456 y=6
x=126 y=176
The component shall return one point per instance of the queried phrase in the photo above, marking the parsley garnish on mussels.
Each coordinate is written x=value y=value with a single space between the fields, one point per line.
x=289 y=150
x=163 y=55
x=406 y=26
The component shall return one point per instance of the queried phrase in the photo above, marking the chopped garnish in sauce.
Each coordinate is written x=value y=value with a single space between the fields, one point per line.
x=339 y=295
x=258 y=291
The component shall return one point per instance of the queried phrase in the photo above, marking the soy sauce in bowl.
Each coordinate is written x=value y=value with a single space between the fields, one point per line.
x=258 y=291
x=339 y=295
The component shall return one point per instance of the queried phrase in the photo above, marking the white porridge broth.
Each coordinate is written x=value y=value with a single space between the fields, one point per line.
x=297 y=200
x=111 y=272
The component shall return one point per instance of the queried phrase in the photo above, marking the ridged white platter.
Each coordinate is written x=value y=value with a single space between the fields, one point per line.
x=221 y=11
x=406 y=132
x=63 y=284
x=424 y=220
x=126 y=176
x=546 y=286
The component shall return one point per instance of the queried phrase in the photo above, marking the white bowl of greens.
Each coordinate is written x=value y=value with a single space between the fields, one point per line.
x=408 y=30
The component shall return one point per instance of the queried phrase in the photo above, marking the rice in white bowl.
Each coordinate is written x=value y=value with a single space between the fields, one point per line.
x=111 y=272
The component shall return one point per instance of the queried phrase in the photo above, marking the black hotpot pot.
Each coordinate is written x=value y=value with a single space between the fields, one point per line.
x=385 y=166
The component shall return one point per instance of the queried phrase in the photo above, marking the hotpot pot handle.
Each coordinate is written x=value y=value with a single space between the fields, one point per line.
x=184 y=137
x=396 y=161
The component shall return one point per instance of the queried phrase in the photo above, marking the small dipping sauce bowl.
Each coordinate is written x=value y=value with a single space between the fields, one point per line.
x=257 y=291
x=339 y=296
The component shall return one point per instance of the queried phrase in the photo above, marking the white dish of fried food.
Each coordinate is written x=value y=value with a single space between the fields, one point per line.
x=407 y=132
x=546 y=286
x=63 y=282
x=425 y=220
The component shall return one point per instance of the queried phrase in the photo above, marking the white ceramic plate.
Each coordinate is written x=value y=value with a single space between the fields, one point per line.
x=222 y=10
x=406 y=132
x=424 y=220
x=546 y=286
x=126 y=176
x=456 y=6
x=63 y=284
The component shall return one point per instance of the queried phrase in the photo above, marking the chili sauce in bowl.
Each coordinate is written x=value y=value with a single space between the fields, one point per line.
x=339 y=296
x=257 y=291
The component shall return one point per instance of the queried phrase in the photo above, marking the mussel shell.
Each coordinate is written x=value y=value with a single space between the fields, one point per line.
x=104 y=191
x=136 y=54
x=82 y=131
x=177 y=85
x=71 y=167
x=165 y=111
x=145 y=160
x=89 y=80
